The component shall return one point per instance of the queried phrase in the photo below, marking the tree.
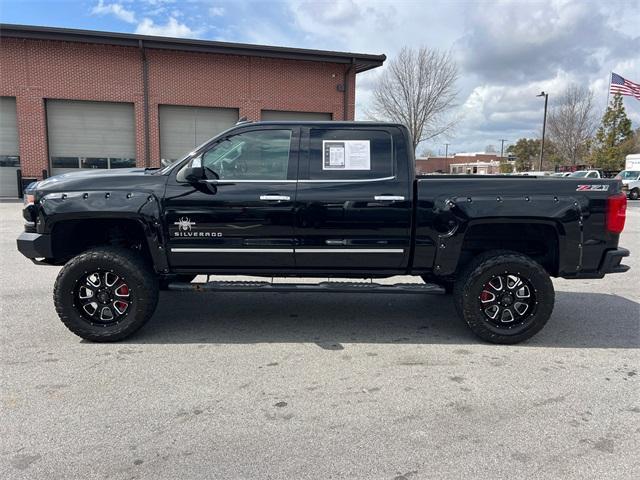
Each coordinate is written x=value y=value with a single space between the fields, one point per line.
x=527 y=153
x=506 y=167
x=490 y=149
x=426 y=152
x=613 y=135
x=572 y=124
x=418 y=90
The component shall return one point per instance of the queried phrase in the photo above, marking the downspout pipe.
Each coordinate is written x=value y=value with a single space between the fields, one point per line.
x=145 y=100
x=347 y=72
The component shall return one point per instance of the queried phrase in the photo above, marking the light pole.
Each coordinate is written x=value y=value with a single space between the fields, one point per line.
x=446 y=150
x=502 y=140
x=544 y=125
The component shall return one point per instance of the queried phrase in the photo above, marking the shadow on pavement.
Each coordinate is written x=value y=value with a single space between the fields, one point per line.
x=583 y=320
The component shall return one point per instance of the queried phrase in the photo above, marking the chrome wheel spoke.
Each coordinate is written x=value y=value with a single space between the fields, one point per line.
x=487 y=297
x=122 y=291
x=513 y=282
x=507 y=316
x=102 y=297
x=85 y=293
x=507 y=300
x=120 y=307
x=106 y=314
x=492 y=311
x=110 y=279
x=93 y=280
x=91 y=308
x=496 y=284
x=520 y=308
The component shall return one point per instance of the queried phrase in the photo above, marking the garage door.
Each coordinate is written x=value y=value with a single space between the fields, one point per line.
x=90 y=135
x=281 y=115
x=9 y=153
x=184 y=128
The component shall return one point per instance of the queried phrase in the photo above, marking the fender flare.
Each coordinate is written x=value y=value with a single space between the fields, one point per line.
x=141 y=206
x=563 y=213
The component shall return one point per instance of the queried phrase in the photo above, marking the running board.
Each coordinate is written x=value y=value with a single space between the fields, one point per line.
x=329 y=287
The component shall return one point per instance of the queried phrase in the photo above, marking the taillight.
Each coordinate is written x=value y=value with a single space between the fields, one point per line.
x=616 y=212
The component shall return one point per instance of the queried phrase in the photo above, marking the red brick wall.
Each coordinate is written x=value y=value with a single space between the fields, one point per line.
x=442 y=164
x=34 y=70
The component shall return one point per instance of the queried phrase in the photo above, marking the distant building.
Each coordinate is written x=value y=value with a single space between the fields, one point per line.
x=445 y=164
x=476 y=168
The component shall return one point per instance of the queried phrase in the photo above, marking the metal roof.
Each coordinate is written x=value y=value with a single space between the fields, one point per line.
x=361 y=61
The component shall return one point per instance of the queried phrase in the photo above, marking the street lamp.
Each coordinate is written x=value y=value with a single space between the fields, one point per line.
x=502 y=140
x=544 y=125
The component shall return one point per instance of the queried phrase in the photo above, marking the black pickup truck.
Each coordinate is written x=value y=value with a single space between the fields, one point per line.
x=318 y=199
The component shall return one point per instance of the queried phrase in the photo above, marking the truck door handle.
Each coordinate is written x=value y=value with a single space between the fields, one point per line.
x=275 y=197
x=389 y=198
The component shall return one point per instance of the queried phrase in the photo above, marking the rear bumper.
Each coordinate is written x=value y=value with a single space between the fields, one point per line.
x=611 y=262
x=35 y=245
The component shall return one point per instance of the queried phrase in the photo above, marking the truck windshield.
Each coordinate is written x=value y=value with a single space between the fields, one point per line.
x=629 y=175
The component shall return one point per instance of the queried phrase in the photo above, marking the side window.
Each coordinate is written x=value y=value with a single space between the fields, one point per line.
x=257 y=155
x=592 y=175
x=343 y=154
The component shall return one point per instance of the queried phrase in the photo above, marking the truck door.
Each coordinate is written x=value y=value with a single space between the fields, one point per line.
x=354 y=199
x=246 y=221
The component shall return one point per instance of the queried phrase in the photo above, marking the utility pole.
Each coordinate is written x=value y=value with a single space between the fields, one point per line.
x=446 y=150
x=502 y=140
x=544 y=125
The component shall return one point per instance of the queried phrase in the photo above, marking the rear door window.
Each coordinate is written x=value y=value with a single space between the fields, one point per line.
x=346 y=154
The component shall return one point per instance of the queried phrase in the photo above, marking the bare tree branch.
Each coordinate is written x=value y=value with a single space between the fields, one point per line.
x=418 y=90
x=572 y=124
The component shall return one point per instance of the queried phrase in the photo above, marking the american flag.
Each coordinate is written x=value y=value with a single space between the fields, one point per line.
x=623 y=86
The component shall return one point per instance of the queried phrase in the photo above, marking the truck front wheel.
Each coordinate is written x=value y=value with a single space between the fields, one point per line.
x=634 y=194
x=105 y=294
x=504 y=297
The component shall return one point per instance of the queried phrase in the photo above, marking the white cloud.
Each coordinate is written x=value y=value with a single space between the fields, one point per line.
x=115 y=9
x=173 y=28
x=216 y=11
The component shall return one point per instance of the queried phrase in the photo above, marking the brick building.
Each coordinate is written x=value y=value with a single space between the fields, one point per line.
x=464 y=163
x=72 y=99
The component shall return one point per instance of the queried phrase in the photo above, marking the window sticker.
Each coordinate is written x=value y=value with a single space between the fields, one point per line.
x=346 y=155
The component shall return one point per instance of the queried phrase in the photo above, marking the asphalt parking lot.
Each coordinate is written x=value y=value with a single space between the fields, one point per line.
x=297 y=386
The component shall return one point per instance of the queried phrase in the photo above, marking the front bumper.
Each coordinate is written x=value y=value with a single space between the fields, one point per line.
x=35 y=245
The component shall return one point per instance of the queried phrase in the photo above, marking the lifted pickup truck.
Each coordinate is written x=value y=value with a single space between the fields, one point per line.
x=318 y=199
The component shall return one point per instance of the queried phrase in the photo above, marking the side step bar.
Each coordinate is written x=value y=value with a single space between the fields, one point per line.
x=329 y=287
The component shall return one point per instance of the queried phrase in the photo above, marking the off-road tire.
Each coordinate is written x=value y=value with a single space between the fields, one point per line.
x=142 y=284
x=478 y=272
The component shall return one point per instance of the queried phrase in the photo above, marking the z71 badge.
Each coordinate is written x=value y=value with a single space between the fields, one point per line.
x=591 y=188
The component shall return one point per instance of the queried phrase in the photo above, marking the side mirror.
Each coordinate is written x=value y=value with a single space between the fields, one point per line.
x=194 y=174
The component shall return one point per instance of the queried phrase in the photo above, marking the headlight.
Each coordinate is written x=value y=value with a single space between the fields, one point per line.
x=29 y=199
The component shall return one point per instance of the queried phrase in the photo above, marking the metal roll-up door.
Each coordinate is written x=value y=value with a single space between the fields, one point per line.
x=183 y=128
x=9 y=149
x=281 y=116
x=86 y=134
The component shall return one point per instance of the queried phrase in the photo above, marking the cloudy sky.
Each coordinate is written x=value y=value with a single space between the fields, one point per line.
x=507 y=51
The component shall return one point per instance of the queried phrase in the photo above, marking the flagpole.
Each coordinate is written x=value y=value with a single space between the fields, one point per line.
x=609 y=90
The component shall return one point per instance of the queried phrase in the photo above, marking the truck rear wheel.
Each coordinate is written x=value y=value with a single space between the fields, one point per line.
x=105 y=294
x=504 y=297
